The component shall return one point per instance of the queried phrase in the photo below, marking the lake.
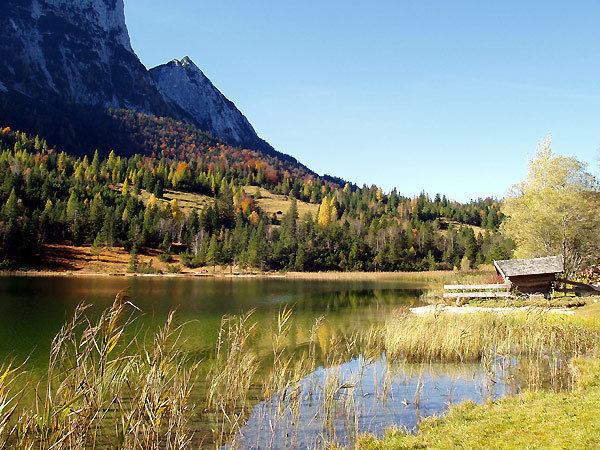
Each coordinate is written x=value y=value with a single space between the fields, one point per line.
x=372 y=393
x=32 y=309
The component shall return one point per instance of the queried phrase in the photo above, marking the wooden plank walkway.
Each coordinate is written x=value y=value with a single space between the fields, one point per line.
x=472 y=287
x=466 y=291
x=489 y=294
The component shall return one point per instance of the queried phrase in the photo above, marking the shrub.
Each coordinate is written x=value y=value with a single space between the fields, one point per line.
x=165 y=257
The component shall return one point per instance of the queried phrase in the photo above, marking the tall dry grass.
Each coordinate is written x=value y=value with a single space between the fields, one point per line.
x=531 y=350
x=429 y=278
x=104 y=388
x=470 y=338
x=231 y=376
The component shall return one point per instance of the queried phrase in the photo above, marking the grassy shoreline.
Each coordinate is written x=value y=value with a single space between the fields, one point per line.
x=533 y=419
x=540 y=419
x=94 y=367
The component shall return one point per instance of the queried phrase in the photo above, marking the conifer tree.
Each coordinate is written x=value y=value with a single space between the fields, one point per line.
x=133 y=261
x=324 y=216
x=11 y=208
x=213 y=254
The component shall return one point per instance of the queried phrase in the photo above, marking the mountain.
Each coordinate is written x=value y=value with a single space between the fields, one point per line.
x=184 y=84
x=75 y=51
x=65 y=62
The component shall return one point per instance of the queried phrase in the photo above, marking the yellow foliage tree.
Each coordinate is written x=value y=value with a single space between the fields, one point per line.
x=333 y=213
x=125 y=188
x=555 y=211
x=176 y=211
x=152 y=201
x=254 y=217
x=324 y=216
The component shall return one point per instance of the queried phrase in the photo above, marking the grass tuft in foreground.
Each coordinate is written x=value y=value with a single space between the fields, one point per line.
x=104 y=389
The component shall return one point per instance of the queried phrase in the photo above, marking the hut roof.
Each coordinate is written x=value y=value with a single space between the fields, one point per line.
x=535 y=266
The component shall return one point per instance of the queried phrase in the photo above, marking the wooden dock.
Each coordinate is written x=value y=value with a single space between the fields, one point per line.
x=462 y=292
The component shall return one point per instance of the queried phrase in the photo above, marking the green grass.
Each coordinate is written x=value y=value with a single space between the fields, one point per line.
x=540 y=419
x=533 y=420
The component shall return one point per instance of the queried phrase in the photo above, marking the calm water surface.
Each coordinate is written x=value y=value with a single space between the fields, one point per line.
x=376 y=396
x=372 y=395
x=33 y=309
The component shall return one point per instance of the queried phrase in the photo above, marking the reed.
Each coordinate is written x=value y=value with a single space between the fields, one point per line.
x=231 y=376
x=8 y=403
x=105 y=388
x=108 y=387
x=469 y=338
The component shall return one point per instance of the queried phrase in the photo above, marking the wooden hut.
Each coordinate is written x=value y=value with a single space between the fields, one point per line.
x=531 y=276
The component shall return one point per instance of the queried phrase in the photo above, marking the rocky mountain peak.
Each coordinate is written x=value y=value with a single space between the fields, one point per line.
x=184 y=84
x=66 y=53
x=107 y=16
x=187 y=62
x=76 y=51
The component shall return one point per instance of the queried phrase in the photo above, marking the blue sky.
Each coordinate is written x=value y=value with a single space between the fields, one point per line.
x=432 y=96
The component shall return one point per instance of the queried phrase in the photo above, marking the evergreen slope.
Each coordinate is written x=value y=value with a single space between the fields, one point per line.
x=48 y=196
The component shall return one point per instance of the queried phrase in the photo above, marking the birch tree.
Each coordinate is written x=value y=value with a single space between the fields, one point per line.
x=555 y=211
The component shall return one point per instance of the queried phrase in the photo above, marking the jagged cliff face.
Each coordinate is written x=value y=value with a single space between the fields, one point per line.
x=57 y=55
x=74 y=50
x=183 y=83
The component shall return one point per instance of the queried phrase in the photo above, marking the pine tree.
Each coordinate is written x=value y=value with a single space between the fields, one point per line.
x=96 y=212
x=213 y=254
x=470 y=244
x=300 y=261
x=105 y=237
x=159 y=188
x=431 y=264
x=200 y=258
x=11 y=208
x=289 y=226
x=95 y=167
x=72 y=207
x=133 y=261
x=166 y=242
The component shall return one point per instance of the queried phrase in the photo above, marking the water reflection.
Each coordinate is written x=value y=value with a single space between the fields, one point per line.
x=32 y=310
x=335 y=404
x=332 y=404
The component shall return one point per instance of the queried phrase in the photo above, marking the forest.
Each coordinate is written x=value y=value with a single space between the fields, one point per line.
x=48 y=196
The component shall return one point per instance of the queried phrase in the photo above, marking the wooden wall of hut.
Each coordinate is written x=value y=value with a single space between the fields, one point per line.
x=534 y=284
